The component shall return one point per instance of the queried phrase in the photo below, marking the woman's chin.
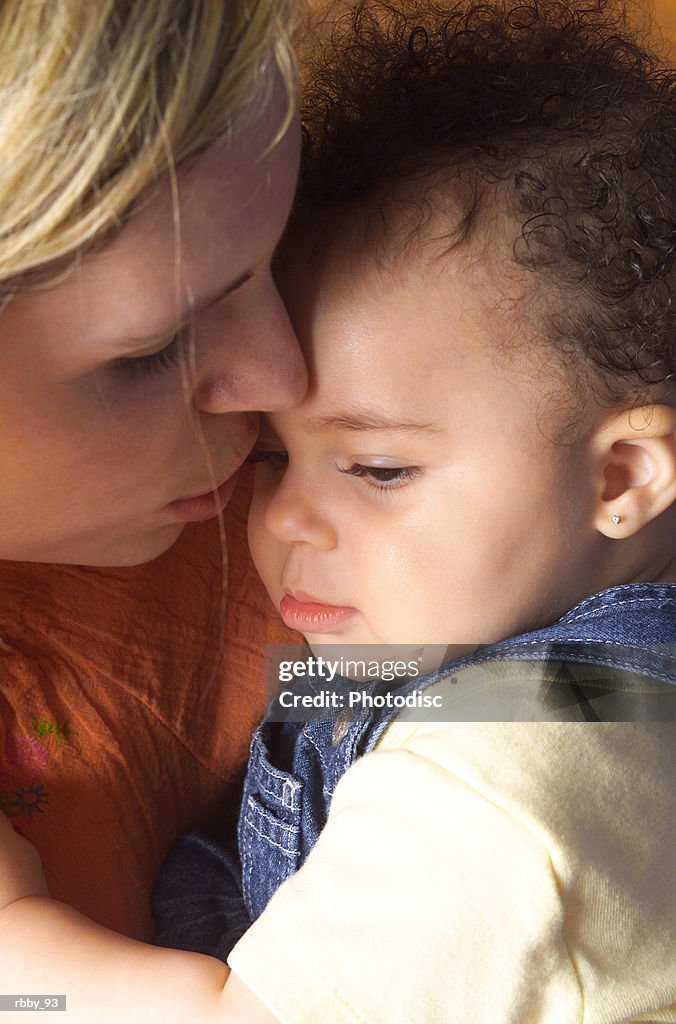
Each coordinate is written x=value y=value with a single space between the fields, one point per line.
x=108 y=552
x=138 y=551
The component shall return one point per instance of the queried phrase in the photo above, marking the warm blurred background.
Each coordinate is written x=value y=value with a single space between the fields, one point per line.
x=665 y=15
x=662 y=14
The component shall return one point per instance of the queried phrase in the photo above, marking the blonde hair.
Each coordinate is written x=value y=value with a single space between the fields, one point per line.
x=99 y=97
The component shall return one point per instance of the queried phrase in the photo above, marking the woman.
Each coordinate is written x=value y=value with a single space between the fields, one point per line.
x=149 y=161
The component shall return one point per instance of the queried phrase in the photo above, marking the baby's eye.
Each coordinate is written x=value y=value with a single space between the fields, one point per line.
x=276 y=457
x=383 y=478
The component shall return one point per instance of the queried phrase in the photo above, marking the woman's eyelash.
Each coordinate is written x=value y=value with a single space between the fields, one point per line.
x=275 y=455
x=383 y=478
x=162 y=360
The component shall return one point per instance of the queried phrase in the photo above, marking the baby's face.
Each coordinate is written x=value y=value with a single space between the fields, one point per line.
x=415 y=493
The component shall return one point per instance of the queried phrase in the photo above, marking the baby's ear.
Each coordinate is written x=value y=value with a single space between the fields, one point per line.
x=636 y=455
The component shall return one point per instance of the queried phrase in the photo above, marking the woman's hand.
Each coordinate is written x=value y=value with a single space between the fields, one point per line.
x=21 y=871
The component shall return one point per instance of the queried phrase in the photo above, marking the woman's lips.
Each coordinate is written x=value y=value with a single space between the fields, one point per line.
x=312 y=616
x=203 y=506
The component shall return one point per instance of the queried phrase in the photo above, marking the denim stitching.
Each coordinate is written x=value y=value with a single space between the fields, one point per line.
x=255 y=808
x=602 y=607
x=289 y=854
x=274 y=772
x=585 y=640
x=320 y=753
x=289 y=790
x=247 y=864
x=292 y=785
x=310 y=738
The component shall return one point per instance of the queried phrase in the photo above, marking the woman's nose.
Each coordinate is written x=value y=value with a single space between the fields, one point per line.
x=252 y=361
x=297 y=514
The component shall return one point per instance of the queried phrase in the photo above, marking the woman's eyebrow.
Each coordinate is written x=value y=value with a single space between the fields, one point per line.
x=358 y=420
x=193 y=309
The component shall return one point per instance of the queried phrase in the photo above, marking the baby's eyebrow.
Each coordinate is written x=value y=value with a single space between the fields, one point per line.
x=368 y=421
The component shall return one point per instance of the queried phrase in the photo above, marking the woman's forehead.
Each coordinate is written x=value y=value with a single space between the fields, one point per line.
x=194 y=238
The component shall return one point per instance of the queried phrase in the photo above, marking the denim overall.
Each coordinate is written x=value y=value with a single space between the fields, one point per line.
x=207 y=895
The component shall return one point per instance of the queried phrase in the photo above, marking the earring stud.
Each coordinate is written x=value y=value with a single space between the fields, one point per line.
x=617 y=519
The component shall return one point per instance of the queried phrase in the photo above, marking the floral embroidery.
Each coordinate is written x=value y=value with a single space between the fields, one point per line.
x=44 y=728
x=23 y=796
x=28 y=754
x=31 y=799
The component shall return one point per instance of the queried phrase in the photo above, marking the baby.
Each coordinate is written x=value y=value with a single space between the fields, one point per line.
x=480 y=271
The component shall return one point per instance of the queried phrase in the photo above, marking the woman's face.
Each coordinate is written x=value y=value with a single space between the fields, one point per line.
x=102 y=435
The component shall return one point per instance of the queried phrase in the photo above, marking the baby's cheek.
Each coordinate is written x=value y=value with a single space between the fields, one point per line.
x=264 y=550
x=259 y=551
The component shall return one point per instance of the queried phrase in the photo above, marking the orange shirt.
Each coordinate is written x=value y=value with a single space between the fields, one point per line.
x=111 y=741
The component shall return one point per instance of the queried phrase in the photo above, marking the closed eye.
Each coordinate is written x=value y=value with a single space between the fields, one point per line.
x=163 y=359
x=382 y=478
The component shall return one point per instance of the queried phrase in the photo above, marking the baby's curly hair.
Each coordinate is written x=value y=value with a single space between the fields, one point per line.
x=553 y=109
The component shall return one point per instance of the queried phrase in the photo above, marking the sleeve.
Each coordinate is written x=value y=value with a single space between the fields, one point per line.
x=422 y=901
x=197 y=900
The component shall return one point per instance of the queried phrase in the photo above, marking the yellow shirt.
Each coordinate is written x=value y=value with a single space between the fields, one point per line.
x=483 y=873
